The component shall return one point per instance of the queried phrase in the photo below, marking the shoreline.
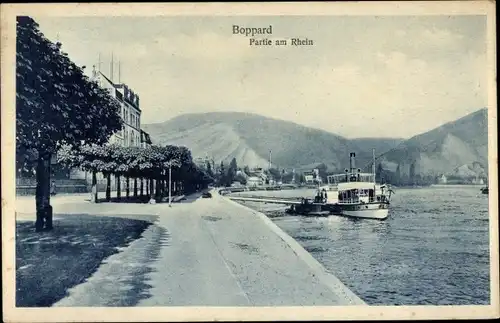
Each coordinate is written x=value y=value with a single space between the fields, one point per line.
x=328 y=278
x=230 y=257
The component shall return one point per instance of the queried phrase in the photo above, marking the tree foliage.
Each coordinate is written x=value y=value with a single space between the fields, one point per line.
x=152 y=162
x=56 y=104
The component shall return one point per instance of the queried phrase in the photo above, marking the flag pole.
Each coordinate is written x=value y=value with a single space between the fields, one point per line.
x=374 y=174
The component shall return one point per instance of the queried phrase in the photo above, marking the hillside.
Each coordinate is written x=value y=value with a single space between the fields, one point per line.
x=250 y=137
x=381 y=145
x=458 y=147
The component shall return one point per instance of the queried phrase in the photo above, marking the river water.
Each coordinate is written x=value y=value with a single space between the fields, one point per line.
x=432 y=250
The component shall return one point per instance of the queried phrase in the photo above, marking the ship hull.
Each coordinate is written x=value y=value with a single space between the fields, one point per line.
x=379 y=211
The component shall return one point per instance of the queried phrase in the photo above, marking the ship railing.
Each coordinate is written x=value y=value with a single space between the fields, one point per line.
x=357 y=201
x=349 y=201
x=350 y=177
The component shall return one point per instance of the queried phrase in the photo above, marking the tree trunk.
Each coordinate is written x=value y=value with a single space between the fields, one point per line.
x=93 y=197
x=108 y=187
x=147 y=187
x=142 y=186
x=128 y=187
x=118 y=187
x=157 y=193
x=151 y=189
x=43 y=208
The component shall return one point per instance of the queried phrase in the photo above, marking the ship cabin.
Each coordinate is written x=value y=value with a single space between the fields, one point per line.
x=353 y=177
x=353 y=187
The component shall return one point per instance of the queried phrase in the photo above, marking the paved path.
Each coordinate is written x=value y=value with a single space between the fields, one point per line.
x=210 y=252
x=80 y=203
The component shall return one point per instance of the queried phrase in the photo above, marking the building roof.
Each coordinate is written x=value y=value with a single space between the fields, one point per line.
x=119 y=86
x=106 y=78
x=145 y=137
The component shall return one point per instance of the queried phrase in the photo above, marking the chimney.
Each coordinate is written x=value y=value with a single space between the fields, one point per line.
x=352 y=164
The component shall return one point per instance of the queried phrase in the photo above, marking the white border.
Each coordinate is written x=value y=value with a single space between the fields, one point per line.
x=12 y=314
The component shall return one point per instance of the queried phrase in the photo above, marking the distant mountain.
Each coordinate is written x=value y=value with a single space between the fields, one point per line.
x=250 y=137
x=381 y=145
x=458 y=148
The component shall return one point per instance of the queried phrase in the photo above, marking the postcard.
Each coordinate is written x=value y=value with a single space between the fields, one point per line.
x=252 y=161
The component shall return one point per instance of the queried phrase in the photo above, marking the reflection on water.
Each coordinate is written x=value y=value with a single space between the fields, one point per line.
x=433 y=249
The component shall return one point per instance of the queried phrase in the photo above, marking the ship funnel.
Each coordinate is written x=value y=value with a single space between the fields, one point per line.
x=352 y=162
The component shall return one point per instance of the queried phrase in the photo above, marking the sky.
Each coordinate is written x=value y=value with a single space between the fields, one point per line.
x=364 y=76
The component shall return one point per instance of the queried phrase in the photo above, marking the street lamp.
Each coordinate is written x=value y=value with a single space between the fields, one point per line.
x=170 y=164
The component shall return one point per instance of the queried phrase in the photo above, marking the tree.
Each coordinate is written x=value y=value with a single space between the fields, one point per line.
x=231 y=172
x=275 y=173
x=222 y=175
x=95 y=159
x=302 y=178
x=397 y=176
x=240 y=178
x=25 y=162
x=210 y=172
x=287 y=177
x=412 y=174
x=322 y=171
x=56 y=104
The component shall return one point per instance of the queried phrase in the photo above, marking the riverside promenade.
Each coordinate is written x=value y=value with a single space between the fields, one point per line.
x=204 y=252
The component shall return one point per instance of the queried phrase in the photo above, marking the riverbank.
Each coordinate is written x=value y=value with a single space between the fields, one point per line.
x=210 y=252
x=431 y=230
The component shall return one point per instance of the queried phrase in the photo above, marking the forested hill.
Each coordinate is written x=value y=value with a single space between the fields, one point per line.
x=250 y=137
x=455 y=149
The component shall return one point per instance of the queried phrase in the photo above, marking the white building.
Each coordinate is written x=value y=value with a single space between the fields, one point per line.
x=309 y=177
x=442 y=179
x=131 y=134
x=257 y=177
x=254 y=181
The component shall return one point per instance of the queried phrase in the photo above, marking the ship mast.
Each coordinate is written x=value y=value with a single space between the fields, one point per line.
x=373 y=171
